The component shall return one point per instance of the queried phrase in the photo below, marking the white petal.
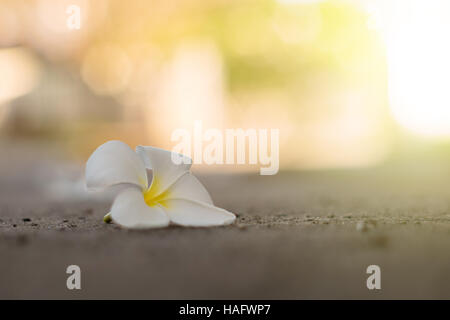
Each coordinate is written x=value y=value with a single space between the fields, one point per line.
x=130 y=210
x=165 y=170
x=196 y=214
x=112 y=163
x=188 y=187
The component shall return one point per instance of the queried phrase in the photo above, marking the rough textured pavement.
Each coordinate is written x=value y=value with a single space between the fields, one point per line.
x=298 y=235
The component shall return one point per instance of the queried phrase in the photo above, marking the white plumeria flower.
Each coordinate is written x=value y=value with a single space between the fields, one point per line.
x=174 y=194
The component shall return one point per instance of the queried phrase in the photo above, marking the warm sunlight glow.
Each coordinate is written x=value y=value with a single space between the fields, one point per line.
x=19 y=73
x=418 y=56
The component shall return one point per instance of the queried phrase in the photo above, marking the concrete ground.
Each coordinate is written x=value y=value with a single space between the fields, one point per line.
x=299 y=235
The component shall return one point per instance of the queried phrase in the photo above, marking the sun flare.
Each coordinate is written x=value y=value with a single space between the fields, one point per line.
x=418 y=51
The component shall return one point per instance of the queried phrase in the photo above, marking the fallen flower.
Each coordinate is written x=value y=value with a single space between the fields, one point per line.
x=174 y=194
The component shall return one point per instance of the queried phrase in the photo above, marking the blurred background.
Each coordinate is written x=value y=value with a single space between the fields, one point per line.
x=360 y=93
x=349 y=83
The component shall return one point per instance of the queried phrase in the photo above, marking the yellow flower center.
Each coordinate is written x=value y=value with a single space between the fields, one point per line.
x=152 y=195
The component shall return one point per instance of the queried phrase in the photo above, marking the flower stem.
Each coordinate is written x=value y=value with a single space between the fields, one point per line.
x=107 y=218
